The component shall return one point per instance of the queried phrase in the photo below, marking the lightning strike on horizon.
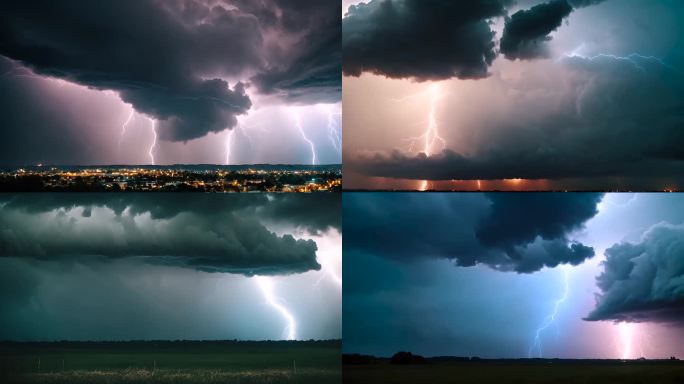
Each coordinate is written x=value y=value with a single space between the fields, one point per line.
x=626 y=332
x=298 y=124
x=431 y=135
x=123 y=127
x=548 y=320
x=154 y=142
x=266 y=286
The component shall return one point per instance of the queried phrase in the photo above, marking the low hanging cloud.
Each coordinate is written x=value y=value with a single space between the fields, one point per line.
x=644 y=281
x=526 y=33
x=213 y=234
x=508 y=232
x=420 y=40
x=169 y=59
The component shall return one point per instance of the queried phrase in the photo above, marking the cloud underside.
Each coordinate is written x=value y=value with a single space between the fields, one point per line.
x=634 y=103
x=441 y=40
x=213 y=234
x=644 y=282
x=169 y=58
x=507 y=232
x=420 y=40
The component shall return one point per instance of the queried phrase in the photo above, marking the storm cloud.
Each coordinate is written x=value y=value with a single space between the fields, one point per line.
x=526 y=32
x=644 y=281
x=420 y=40
x=171 y=59
x=214 y=233
x=633 y=102
x=507 y=232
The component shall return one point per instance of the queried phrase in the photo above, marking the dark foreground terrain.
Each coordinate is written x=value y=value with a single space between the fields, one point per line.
x=536 y=371
x=299 y=362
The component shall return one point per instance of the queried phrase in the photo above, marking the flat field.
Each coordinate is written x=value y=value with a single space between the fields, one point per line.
x=531 y=372
x=299 y=362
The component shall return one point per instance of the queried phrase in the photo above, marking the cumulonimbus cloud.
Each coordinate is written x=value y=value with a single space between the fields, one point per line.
x=633 y=102
x=644 y=281
x=170 y=59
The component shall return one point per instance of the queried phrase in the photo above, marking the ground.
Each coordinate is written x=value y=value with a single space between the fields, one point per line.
x=531 y=372
x=171 y=362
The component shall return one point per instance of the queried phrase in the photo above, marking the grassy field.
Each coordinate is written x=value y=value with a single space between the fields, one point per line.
x=514 y=372
x=171 y=362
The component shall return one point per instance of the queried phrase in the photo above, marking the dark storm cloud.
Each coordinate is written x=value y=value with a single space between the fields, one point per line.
x=518 y=219
x=471 y=229
x=527 y=31
x=211 y=233
x=421 y=40
x=644 y=282
x=167 y=58
x=310 y=71
x=633 y=102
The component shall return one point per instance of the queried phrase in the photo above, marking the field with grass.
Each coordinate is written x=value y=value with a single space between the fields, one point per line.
x=299 y=362
x=529 y=372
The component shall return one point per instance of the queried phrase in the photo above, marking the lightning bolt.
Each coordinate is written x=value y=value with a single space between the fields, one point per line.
x=431 y=136
x=154 y=142
x=298 y=124
x=229 y=143
x=548 y=320
x=626 y=332
x=333 y=132
x=632 y=58
x=123 y=127
x=266 y=286
x=327 y=266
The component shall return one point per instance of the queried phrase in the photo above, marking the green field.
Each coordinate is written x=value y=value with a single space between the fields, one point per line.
x=581 y=372
x=171 y=362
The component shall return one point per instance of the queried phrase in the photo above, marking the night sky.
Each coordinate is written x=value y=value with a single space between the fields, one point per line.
x=470 y=274
x=562 y=94
x=138 y=266
x=163 y=82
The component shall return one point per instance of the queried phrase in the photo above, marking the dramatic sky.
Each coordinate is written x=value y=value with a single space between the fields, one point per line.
x=503 y=94
x=514 y=275
x=179 y=81
x=106 y=267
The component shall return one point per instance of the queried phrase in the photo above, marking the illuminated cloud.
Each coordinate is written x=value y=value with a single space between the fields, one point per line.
x=186 y=64
x=644 y=281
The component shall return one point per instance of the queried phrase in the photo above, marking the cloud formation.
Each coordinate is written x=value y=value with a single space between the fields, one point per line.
x=526 y=32
x=170 y=59
x=214 y=234
x=507 y=232
x=644 y=281
x=558 y=128
x=420 y=40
